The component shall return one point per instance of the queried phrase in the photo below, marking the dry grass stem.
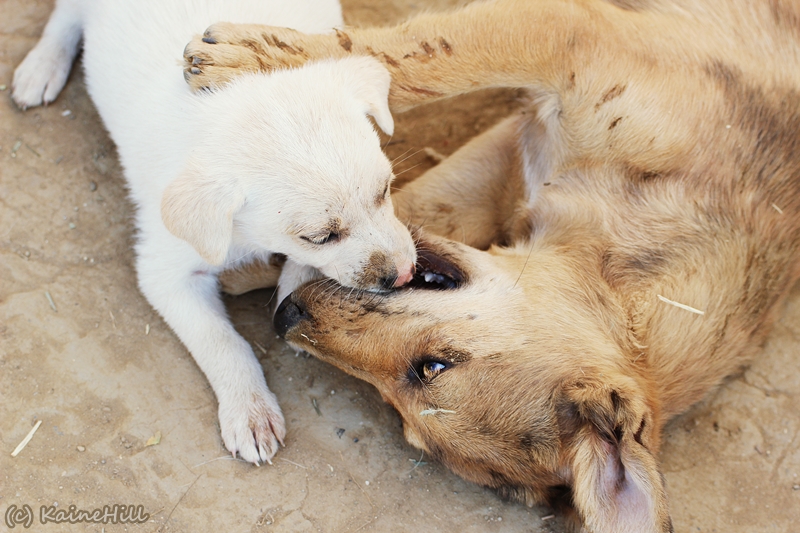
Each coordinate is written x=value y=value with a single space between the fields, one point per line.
x=680 y=305
x=312 y=341
x=428 y=412
x=50 y=301
x=293 y=463
x=26 y=440
x=226 y=457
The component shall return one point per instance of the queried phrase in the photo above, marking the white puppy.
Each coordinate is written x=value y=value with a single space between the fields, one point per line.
x=287 y=163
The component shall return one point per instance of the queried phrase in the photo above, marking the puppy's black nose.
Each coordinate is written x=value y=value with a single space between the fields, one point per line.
x=288 y=315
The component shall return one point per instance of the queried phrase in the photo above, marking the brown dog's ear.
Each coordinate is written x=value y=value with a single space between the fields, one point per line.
x=200 y=209
x=616 y=483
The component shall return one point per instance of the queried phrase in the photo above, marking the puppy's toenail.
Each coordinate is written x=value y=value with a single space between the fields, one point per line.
x=196 y=71
x=209 y=40
x=196 y=60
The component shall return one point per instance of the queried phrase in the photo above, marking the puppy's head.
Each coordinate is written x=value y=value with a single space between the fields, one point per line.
x=290 y=162
x=509 y=368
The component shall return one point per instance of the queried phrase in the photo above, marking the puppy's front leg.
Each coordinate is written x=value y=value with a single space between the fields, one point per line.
x=44 y=71
x=294 y=275
x=186 y=294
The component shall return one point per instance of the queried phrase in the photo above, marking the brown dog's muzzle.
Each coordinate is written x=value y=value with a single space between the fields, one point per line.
x=435 y=270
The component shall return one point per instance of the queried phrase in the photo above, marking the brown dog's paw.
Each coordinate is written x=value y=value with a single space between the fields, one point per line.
x=226 y=50
x=251 y=276
x=207 y=66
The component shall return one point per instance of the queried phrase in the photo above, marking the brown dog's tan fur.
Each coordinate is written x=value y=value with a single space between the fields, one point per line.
x=252 y=275
x=657 y=162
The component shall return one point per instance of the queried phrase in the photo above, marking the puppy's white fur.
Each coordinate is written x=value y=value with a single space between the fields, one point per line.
x=260 y=167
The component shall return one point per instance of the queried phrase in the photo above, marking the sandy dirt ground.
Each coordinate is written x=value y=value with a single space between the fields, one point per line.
x=82 y=352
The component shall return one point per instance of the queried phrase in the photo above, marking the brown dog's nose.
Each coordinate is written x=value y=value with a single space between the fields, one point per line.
x=288 y=315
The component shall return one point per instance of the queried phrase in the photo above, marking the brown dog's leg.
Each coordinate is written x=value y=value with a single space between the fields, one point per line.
x=596 y=71
x=475 y=195
x=251 y=276
x=507 y=43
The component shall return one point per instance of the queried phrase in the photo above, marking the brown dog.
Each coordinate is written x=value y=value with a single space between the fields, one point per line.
x=648 y=201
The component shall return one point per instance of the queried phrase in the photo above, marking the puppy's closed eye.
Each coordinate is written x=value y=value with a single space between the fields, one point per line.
x=322 y=239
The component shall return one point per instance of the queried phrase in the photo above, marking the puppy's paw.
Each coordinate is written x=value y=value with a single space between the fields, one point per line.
x=41 y=75
x=294 y=275
x=226 y=50
x=252 y=426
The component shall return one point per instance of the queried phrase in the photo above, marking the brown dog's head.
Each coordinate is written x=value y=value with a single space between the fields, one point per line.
x=510 y=367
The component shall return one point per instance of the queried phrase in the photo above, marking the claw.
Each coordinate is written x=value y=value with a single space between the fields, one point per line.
x=196 y=71
x=209 y=40
x=261 y=453
x=196 y=61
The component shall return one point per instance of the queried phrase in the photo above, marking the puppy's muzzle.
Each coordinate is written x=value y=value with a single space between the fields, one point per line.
x=288 y=315
x=403 y=276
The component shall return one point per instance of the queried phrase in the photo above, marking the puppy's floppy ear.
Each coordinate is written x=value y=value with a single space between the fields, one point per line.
x=199 y=209
x=371 y=85
x=616 y=483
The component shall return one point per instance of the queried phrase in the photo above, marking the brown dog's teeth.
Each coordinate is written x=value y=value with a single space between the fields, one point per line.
x=433 y=280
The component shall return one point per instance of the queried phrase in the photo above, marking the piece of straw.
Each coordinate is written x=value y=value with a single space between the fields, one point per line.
x=26 y=440
x=50 y=301
x=680 y=305
x=428 y=412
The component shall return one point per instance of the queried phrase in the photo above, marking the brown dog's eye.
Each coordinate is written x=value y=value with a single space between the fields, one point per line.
x=433 y=369
x=426 y=370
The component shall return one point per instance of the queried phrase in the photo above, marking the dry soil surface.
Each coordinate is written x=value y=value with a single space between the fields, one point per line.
x=82 y=352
